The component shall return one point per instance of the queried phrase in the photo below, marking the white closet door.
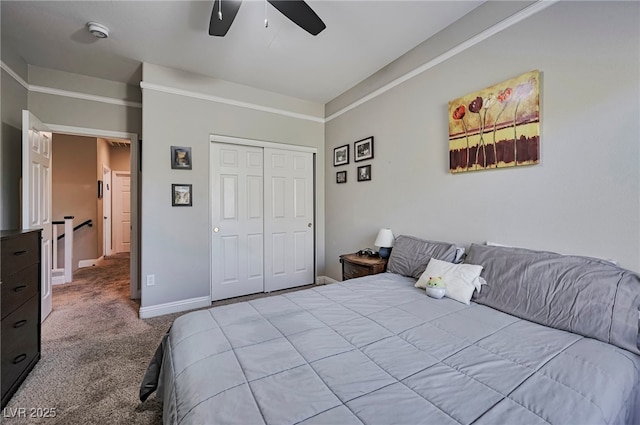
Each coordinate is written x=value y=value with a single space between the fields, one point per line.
x=288 y=206
x=237 y=220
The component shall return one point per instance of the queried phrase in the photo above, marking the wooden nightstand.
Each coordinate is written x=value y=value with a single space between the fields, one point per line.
x=354 y=265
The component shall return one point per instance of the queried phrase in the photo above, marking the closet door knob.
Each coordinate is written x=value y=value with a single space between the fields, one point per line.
x=309 y=225
x=216 y=229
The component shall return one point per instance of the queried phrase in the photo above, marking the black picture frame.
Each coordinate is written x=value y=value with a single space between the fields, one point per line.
x=180 y=158
x=363 y=149
x=181 y=195
x=100 y=190
x=341 y=177
x=364 y=173
x=341 y=155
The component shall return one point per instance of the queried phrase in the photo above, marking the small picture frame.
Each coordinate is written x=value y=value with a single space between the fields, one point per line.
x=100 y=190
x=364 y=173
x=180 y=158
x=363 y=149
x=181 y=195
x=341 y=155
x=341 y=177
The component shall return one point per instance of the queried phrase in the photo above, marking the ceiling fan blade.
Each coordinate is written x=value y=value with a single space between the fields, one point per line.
x=301 y=14
x=229 y=9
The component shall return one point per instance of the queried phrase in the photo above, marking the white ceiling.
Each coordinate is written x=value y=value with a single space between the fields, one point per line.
x=361 y=37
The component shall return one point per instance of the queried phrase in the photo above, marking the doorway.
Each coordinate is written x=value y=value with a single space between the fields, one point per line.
x=132 y=203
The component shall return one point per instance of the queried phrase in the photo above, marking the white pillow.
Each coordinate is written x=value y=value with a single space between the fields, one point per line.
x=459 y=255
x=460 y=279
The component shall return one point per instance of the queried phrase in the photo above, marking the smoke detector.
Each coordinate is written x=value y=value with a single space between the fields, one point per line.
x=98 y=30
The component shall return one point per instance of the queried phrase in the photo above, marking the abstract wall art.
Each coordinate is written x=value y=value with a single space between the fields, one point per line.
x=496 y=127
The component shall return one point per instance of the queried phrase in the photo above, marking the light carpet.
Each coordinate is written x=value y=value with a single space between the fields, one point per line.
x=95 y=351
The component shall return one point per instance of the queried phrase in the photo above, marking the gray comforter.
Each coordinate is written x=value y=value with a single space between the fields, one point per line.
x=376 y=350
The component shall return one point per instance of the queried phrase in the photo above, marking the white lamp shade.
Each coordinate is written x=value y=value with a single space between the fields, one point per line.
x=385 y=238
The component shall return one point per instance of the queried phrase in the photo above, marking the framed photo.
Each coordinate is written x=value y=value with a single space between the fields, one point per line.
x=341 y=155
x=341 y=177
x=180 y=158
x=363 y=149
x=181 y=195
x=364 y=173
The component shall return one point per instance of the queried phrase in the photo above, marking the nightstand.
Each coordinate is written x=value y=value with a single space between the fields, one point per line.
x=354 y=265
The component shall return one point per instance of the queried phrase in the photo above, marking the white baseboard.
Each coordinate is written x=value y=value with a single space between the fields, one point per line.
x=88 y=263
x=174 y=307
x=324 y=280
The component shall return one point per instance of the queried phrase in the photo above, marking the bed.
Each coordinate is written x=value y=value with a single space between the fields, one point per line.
x=550 y=339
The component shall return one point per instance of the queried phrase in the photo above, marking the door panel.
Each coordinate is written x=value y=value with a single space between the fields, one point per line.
x=237 y=243
x=36 y=204
x=122 y=211
x=289 y=224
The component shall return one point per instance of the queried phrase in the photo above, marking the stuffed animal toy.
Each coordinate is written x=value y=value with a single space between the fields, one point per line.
x=436 y=287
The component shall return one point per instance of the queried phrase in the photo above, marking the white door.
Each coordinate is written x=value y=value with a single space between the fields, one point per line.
x=106 y=210
x=289 y=233
x=236 y=220
x=36 y=195
x=122 y=211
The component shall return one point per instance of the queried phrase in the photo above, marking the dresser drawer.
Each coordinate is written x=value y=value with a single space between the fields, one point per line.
x=19 y=252
x=19 y=287
x=20 y=342
x=351 y=271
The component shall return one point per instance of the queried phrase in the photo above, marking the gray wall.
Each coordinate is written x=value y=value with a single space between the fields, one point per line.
x=175 y=241
x=54 y=109
x=14 y=100
x=69 y=111
x=583 y=198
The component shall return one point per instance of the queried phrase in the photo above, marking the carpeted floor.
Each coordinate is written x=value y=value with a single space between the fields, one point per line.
x=95 y=351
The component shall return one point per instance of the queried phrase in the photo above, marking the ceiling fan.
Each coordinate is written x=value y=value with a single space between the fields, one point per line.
x=298 y=11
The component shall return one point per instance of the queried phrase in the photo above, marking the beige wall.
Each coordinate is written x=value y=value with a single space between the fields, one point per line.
x=583 y=198
x=74 y=191
x=103 y=158
x=120 y=158
x=116 y=158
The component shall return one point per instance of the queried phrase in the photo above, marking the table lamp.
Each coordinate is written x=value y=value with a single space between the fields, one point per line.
x=385 y=242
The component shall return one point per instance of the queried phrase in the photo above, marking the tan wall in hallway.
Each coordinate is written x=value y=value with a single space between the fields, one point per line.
x=120 y=158
x=74 y=173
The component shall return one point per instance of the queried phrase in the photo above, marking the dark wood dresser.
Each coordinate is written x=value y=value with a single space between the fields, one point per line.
x=354 y=265
x=20 y=309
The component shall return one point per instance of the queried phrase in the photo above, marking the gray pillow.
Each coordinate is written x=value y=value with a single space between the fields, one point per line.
x=410 y=255
x=586 y=296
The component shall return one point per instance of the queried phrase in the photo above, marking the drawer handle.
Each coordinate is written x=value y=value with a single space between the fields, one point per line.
x=19 y=324
x=20 y=252
x=19 y=358
x=20 y=288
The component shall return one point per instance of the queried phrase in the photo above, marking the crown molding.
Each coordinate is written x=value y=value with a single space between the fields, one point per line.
x=500 y=26
x=68 y=93
x=227 y=101
x=15 y=76
x=84 y=96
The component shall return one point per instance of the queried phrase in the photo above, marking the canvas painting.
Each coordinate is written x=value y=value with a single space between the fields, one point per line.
x=496 y=127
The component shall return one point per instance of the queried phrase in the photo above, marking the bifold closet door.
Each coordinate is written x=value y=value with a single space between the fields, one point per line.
x=289 y=226
x=237 y=207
